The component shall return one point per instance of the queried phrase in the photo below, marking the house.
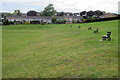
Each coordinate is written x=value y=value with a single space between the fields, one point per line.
x=63 y=14
x=23 y=14
x=30 y=18
x=108 y=15
x=70 y=18
x=76 y=14
x=68 y=14
x=46 y=19
x=2 y=14
x=33 y=15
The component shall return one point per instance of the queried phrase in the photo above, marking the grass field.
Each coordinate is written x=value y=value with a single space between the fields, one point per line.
x=58 y=50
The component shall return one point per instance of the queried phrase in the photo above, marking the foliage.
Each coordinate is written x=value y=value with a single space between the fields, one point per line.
x=17 y=22
x=54 y=20
x=11 y=22
x=17 y=12
x=8 y=14
x=101 y=19
x=61 y=21
x=84 y=20
x=49 y=10
x=25 y=22
x=5 y=21
x=34 y=22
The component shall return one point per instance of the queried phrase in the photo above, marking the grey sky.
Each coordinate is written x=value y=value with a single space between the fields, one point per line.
x=60 y=5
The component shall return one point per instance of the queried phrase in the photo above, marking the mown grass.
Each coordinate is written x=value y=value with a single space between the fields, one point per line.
x=58 y=50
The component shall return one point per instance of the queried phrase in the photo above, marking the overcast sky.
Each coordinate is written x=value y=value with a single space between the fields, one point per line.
x=60 y=5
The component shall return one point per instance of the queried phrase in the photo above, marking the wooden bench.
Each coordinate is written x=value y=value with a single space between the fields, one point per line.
x=90 y=28
x=107 y=37
x=96 y=31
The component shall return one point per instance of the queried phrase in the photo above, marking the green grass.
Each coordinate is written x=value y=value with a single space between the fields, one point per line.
x=58 y=50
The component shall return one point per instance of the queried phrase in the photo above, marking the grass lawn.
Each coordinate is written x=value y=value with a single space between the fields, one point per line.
x=58 y=50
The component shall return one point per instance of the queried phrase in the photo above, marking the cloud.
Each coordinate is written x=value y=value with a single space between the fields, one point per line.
x=68 y=5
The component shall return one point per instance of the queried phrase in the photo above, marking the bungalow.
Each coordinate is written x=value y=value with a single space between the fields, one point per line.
x=46 y=19
x=76 y=14
x=29 y=18
x=63 y=14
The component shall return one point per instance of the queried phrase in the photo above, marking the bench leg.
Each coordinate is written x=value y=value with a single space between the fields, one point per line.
x=104 y=39
x=109 y=38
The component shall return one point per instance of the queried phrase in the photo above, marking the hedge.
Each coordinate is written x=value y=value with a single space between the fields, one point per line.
x=25 y=22
x=34 y=22
x=100 y=19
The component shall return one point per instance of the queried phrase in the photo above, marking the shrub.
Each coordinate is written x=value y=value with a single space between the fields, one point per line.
x=65 y=21
x=78 y=21
x=25 y=22
x=17 y=22
x=6 y=22
x=54 y=20
x=74 y=21
x=11 y=22
x=58 y=21
x=61 y=21
x=84 y=20
x=101 y=19
x=34 y=22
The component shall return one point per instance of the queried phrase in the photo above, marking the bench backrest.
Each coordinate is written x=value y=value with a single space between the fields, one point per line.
x=108 y=34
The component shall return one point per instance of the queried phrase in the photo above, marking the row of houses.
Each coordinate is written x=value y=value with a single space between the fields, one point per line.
x=46 y=19
x=33 y=15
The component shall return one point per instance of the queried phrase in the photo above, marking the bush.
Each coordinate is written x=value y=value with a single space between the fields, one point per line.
x=6 y=22
x=17 y=22
x=25 y=22
x=11 y=22
x=84 y=20
x=65 y=21
x=34 y=22
x=61 y=21
x=101 y=19
x=78 y=21
x=74 y=21
x=54 y=20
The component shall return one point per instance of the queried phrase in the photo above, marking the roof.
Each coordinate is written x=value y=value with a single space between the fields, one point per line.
x=42 y=17
x=29 y=17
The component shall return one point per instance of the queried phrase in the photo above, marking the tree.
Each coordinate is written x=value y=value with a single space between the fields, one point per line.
x=5 y=21
x=17 y=12
x=104 y=12
x=49 y=10
x=54 y=19
x=9 y=14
